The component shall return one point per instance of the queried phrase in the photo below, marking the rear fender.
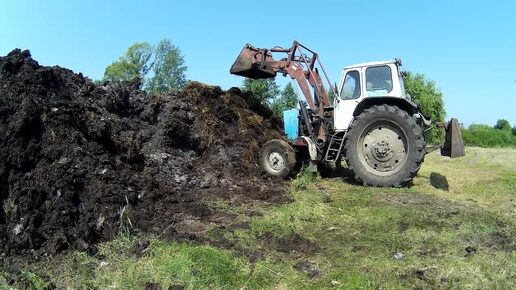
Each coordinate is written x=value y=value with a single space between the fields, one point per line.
x=404 y=104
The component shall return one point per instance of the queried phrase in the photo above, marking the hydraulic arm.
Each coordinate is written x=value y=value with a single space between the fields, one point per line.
x=301 y=64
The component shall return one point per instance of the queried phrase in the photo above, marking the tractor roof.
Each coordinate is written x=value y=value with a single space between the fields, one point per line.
x=374 y=63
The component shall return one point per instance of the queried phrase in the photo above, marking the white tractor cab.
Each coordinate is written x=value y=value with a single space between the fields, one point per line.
x=366 y=80
x=372 y=123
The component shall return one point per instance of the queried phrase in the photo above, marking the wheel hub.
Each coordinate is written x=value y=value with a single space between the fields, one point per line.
x=382 y=148
x=276 y=161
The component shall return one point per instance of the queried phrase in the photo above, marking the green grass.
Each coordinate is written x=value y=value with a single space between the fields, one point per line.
x=454 y=205
x=174 y=263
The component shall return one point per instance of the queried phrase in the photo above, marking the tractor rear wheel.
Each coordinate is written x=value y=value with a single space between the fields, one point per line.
x=277 y=158
x=384 y=146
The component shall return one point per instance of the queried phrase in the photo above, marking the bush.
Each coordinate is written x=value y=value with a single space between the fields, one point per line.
x=502 y=124
x=481 y=135
x=430 y=100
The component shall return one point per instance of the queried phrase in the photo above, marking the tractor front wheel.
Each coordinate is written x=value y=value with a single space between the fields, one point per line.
x=277 y=158
x=384 y=146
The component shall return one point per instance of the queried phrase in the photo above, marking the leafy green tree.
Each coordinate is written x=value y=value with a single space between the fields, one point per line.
x=430 y=99
x=287 y=100
x=136 y=62
x=160 y=68
x=169 y=68
x=331 y=95
x=264 y=90
x=502 y=124
x=514 y=130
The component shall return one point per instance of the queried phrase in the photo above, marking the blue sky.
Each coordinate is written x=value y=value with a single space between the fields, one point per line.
x=467 y=47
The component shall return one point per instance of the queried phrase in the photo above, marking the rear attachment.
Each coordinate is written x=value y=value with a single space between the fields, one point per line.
x=453 y=143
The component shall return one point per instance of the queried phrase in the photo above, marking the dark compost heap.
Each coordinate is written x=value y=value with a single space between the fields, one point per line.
x=80 y=162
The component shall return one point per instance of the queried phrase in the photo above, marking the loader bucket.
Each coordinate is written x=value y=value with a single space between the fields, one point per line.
x=453 y=144
x=250 y=63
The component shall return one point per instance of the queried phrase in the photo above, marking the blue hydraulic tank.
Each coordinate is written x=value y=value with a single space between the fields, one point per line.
x=291 y=123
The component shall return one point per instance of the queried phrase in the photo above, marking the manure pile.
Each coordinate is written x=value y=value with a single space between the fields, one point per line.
x=81 y=162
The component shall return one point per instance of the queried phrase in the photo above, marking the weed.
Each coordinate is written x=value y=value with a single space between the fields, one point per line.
x=33 y=280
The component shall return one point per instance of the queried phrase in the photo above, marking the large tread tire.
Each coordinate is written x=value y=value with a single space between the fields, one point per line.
x=284 y=156
x=414 y=141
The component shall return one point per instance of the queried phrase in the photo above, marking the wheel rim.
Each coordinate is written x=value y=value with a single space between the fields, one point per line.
x=276 y=161
x=383 y=148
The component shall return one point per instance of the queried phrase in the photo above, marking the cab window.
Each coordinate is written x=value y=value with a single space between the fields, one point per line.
x=351 y=88
x=378 y=80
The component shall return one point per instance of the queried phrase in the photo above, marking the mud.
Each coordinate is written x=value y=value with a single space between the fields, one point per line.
x=156 y=286
x=80 y=162
x=311 y=269
x=496 y=241
x=294 y=243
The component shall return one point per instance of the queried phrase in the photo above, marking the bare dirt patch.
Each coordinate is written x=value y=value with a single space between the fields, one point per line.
x=498 y=241
x=294 y=243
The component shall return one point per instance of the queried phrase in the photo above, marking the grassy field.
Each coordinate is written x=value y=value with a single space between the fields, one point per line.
x=455 y=228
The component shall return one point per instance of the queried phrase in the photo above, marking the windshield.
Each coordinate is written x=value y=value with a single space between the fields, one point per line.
x=378 y=80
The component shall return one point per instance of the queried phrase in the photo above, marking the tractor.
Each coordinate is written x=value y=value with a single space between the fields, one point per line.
x=373 y=123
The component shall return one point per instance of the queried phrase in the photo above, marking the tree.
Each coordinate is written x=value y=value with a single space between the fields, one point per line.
x=502 y=124
x=169 y=68
x=287 y=100
x=479 y=127
x=430 y=99
x=160 y=68
x=136 y=62
x=514 y=130
x=331 y=95
x=264 y=90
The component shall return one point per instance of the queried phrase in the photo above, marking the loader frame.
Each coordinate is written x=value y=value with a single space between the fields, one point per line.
x=301 y=64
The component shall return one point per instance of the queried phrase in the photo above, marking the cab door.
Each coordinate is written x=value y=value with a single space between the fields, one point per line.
x=350 y=94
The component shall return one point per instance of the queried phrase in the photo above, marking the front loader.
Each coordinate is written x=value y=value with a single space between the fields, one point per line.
x=373 y=124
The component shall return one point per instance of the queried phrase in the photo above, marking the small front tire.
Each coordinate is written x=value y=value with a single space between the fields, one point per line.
x=277 y=158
